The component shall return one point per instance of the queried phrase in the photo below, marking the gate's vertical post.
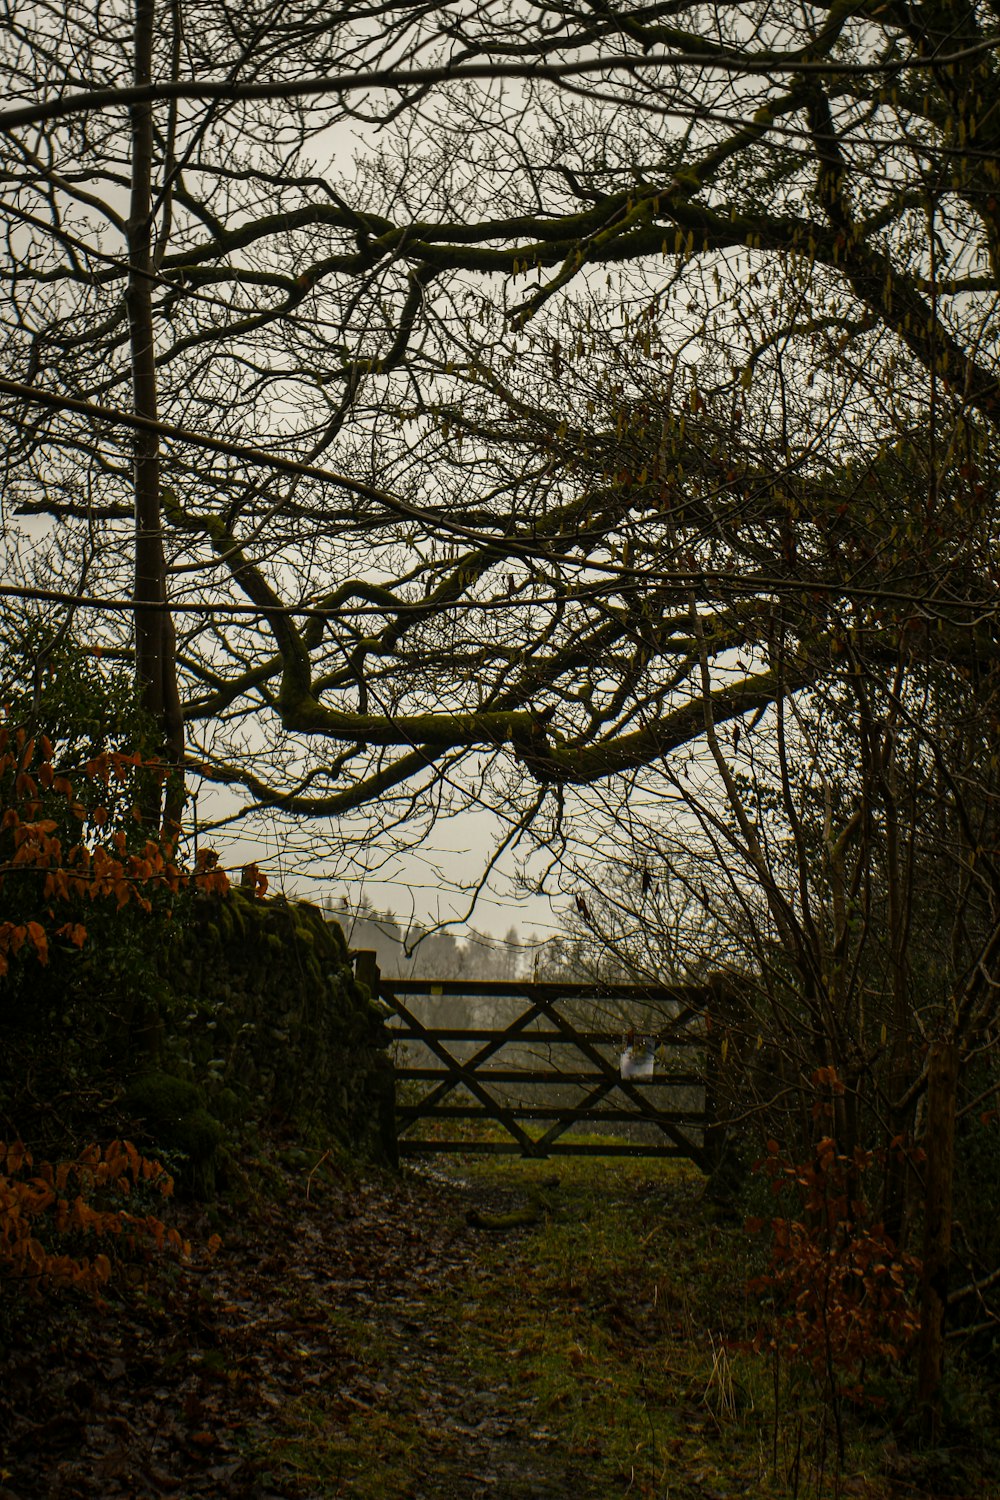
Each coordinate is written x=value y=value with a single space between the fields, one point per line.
x=714 y=1128
x=366 y=970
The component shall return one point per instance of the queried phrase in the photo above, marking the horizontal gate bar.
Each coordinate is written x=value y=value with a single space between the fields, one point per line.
x=527 y=1075
x=411 y=1112
x=554 y=989
x=409 y=1147
x=598 y=1038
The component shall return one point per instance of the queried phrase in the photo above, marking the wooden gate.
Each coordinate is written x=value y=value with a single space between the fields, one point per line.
x=545 y=1062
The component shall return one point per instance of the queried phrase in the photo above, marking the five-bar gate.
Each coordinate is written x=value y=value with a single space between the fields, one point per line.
x=547 y=1062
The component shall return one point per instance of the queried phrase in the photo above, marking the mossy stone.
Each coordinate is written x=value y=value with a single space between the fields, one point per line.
x=267 y=990
x=337 y=941
x=160 y=1098
x=228 y=1105
x=176 y=1119
x=198 y=1135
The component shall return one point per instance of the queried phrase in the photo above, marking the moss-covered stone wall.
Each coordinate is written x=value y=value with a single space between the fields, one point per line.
x=266 y=1023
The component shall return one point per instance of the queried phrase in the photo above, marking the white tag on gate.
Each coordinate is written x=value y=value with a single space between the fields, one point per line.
x=639 y=1061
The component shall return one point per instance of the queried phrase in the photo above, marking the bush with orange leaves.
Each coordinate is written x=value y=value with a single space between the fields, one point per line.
x=71 y=867
x=844 y=1293
x=59 y=855
x=45 y=1212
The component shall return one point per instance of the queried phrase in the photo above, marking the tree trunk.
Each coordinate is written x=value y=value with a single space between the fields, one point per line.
x=942 y=1085
x=155 y=666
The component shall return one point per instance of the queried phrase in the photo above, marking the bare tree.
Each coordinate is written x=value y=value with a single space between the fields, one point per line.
x=319 y=337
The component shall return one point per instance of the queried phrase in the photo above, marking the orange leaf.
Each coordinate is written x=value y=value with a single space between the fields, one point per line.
x=17 y=1157
x=97 y=769
x=75 y=932
x=37 y=934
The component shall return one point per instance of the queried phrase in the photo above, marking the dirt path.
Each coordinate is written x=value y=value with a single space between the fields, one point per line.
x=454 y=1435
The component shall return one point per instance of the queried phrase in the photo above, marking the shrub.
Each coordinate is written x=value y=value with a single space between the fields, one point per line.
x=50 y=870
x=843 y=1291
x=87 y=901
x=47 y=1213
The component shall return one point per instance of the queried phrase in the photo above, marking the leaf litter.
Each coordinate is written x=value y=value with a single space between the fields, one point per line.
x=190 y=1381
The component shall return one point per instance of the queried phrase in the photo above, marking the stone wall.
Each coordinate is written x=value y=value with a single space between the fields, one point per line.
x=265 y=1023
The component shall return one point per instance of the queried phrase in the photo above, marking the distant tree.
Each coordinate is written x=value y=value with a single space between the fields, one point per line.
x=418 y=952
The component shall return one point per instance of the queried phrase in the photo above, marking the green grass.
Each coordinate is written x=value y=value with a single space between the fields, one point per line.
x=615 y=1334
x=604 y=1306
x=368 y=1454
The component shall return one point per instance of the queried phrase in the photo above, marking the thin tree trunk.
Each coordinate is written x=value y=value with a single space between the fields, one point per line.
x=154 y=635
x=899 y=895
x=942 y=1085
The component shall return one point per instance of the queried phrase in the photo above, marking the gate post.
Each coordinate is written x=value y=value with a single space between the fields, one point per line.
x=366 y=970
x=715 y=1130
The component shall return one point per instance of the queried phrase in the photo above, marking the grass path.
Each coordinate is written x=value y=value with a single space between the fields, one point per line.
x=585 y=1357
x=519 y=1364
